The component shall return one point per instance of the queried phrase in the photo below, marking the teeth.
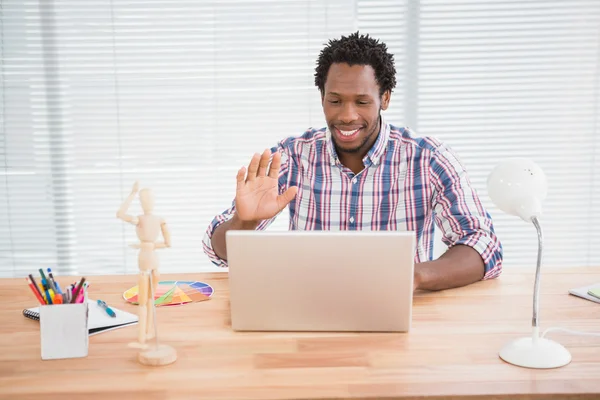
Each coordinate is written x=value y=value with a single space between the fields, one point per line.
x=349 y=133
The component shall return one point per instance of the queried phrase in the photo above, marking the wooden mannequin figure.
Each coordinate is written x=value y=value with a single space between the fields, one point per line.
x=148 y=229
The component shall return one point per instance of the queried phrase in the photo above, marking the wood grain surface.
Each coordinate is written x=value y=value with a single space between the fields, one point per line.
x=451 y=351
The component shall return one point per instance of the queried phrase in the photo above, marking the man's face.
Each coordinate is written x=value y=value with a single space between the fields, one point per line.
x=351 y=104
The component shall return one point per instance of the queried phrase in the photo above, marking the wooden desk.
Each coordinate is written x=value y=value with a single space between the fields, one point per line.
x=452 y=349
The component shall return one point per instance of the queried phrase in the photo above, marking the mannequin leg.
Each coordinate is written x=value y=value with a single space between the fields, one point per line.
x=143 y=306
x=150 y=310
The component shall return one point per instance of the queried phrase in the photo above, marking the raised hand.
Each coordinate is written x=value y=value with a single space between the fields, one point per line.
x=257 y=193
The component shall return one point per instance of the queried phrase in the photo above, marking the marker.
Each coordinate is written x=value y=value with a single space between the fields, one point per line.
x=37 y=289
x=108 y=310
x=53 y=282
x=50 y=291
x=81 y=295
x=45 y=285
x=42 y=274
x=77 y=290
x=86 y=287
x=57 y=298
x=37 y=293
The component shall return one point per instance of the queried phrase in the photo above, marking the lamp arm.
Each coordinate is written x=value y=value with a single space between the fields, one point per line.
x=536 y=290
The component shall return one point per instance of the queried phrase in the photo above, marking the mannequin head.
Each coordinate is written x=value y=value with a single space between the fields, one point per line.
x=147 y=200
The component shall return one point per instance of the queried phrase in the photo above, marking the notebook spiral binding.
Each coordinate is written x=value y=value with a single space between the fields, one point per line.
x=31 y=315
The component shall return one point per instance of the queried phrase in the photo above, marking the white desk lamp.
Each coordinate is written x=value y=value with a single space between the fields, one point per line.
x=518 y=186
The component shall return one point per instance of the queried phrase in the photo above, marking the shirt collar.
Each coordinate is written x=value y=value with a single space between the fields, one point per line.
x=375 y=152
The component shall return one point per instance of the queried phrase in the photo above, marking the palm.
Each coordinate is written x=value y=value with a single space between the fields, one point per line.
x=258 y=200
x=257 y=196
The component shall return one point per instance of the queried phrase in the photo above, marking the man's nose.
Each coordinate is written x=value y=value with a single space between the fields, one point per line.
x=348 y=114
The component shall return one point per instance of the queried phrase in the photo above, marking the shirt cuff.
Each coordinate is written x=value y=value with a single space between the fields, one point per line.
x=490 y=250
x=207 y=240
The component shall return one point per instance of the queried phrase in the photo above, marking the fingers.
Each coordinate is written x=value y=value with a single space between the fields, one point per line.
x=253 y=167
x=258 y=166
x=240 y=178
x=264 y=163
x=287 y=196
x=275 y=165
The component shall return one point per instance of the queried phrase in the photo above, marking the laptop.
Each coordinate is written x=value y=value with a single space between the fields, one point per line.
x=358 y=281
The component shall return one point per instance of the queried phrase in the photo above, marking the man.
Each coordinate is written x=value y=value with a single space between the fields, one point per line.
x=362 y=173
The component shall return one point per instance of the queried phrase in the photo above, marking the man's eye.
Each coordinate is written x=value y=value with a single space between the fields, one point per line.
x=363 y=103
x=334 y=101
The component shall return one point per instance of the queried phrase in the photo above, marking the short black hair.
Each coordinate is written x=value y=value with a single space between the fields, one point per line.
x=357 y=49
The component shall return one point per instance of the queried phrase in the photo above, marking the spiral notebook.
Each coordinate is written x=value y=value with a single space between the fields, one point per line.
x=98 y=320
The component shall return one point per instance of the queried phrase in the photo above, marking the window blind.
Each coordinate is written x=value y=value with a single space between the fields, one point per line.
x=179 y=95
x=498 y=79
x=510 y=79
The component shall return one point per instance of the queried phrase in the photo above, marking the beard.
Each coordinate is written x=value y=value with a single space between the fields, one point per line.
x=369 y=139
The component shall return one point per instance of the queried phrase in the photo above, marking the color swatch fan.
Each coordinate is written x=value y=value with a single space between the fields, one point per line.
x=170 y=293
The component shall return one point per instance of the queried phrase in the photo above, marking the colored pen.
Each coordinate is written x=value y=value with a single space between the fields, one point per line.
x=45 y=285
x=37 y=289
x=37 y=294
x=86 y=287
x=77 y=290
x=41 y=289
x=54 y=283
x=107 y=308
x=50 y=291
x=81 y=295
x=50 y=283
x=42 y=274
x=57 y=298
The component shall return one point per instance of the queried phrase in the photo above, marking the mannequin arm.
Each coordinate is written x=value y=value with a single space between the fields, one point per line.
x=122 y=213
x=166 y=235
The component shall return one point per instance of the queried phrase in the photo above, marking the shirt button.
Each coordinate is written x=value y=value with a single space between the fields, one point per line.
x=351 y=220
x=354 y=180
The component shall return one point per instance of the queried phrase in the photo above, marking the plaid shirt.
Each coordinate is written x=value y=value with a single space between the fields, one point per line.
x=408 y=183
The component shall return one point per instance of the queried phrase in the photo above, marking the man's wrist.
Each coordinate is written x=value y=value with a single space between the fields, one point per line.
x=420 y=275
x=239 y=224
x=416 y=278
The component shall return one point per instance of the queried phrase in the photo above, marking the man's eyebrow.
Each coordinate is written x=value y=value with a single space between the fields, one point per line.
x=358 y=95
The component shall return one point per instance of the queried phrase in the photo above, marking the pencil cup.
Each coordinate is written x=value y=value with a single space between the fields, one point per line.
x=64 y=331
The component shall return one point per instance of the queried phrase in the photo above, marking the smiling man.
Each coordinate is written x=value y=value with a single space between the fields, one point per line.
x=361 y=172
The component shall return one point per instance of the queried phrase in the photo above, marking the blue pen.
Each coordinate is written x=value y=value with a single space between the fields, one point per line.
x=108 y=310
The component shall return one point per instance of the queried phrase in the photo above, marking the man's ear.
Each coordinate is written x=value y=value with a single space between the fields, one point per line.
x=385 y=99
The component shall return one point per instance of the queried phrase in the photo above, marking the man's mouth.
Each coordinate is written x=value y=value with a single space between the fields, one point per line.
x=347 y=135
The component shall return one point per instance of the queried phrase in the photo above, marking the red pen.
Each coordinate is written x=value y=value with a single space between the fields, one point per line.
x=36 y=288
x=35 y=292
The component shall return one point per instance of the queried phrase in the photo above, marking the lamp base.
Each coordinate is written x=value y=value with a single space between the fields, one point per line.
x=535 y=352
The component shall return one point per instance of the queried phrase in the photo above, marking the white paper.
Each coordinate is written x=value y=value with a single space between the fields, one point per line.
x=583 y=292
x=99 y=320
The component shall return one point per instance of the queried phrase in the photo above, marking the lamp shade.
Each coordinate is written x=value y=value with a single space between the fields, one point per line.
x=518 y=186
